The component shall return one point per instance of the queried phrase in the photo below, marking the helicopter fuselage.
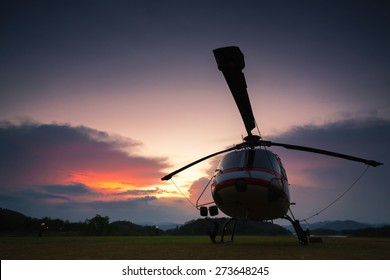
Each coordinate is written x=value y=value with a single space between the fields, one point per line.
x=251 y=184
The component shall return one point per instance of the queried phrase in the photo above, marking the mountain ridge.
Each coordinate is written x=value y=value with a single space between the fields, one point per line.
x=338 y=225
x=13 y=221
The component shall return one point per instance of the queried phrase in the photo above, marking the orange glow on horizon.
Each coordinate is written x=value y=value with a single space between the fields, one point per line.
x=115 y=187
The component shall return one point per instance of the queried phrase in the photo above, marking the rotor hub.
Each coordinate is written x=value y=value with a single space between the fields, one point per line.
x=252 y=140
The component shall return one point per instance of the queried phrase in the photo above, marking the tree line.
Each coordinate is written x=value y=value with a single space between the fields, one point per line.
x=15 y=223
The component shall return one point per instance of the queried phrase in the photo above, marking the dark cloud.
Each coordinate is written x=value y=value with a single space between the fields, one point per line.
x=34 y=202
x=142 y=192
x=144 y=209
x=39 y=164
x=74 y=189
x=367 y=137
x=32 y=198
x=317 y=180
x=52 y=153
x=76 y=202
x=147 y=208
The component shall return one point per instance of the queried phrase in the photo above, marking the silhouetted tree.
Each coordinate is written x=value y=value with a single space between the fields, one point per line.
x=98 y=225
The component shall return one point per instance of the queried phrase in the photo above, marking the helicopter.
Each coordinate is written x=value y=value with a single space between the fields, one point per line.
x=250 y=182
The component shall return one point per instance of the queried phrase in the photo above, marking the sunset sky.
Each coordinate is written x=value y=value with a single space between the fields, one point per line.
x=100 y=99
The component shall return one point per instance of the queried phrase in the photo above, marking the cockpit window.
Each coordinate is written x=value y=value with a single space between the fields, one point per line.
x=266 y=159
x=231 y=160
x=251 y=159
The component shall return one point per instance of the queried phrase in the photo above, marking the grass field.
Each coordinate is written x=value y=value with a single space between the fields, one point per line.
x=190 y=247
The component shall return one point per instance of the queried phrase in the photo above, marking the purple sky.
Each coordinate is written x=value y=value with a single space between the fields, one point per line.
x=99 y=99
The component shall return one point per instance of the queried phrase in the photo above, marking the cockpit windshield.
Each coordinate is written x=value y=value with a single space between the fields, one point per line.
x=231 y=160
x=256 y=158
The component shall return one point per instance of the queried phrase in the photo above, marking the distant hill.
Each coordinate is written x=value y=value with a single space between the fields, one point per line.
x=335 y=225
x=339 y=225
x=12 y=222
x=10 y=215
x=15 y=223
x=383 y=231
x=347 y=228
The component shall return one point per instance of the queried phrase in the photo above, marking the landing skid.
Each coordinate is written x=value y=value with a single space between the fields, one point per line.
x=303 y=235
x=213 y=233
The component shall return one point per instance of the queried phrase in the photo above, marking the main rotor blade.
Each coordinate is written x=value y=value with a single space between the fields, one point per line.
x=170 y=175
x=230 y=61
x=323 y=152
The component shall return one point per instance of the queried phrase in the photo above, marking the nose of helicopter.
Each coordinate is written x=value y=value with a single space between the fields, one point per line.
x=251 y=198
